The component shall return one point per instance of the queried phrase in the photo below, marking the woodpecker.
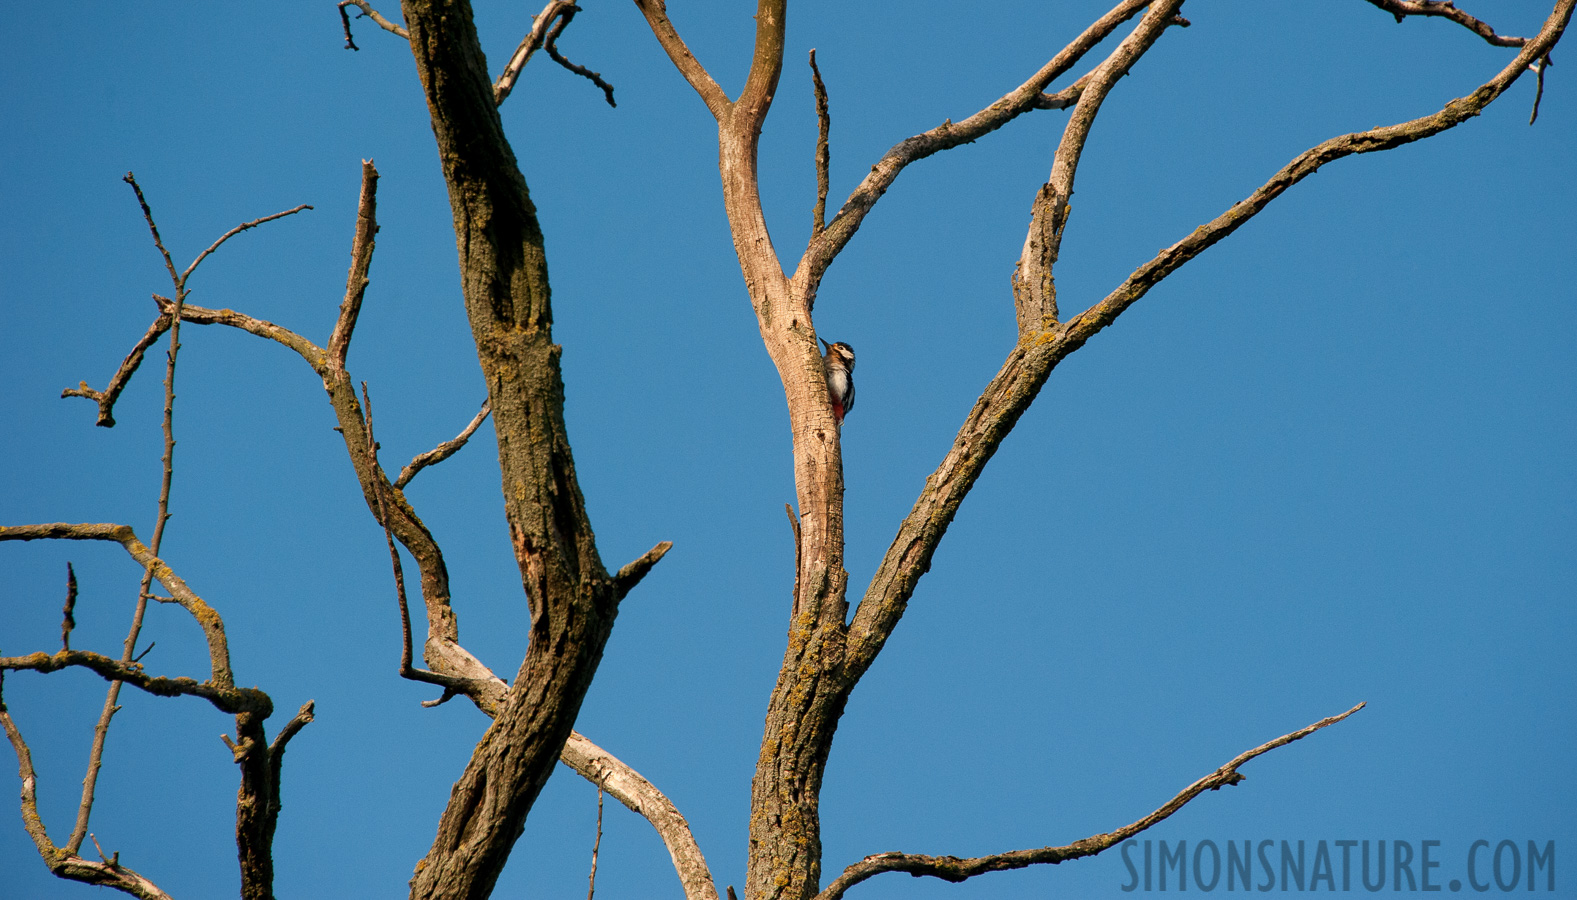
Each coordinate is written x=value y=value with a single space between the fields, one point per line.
x=839 y=360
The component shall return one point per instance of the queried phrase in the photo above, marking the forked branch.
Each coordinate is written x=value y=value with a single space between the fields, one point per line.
x=952 y=868
x=1022 y=99
x=207 y=619
x=366 y=12
x=1028 y=365
x=544 y=34
x=62 y=862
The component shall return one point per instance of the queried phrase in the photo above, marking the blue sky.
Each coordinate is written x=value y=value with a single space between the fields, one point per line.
x=1328 y=461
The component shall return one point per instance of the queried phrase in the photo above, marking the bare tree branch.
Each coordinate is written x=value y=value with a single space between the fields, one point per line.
x=443 y=451
x=62 y=862
x=628 y=787
x=458 y=670
x=360 y=264
x=106 y=398
x=167 y=463
x=823 y=154
x=952 y=868
x=226 y=699
x=591 y=886
x=232 y=233
x=949 y=134
x=482 y=693
x=1538 y=93
x=368 y=12
x=656 y=13
x=1029 y=364
x=631 y=575
x=300 y=720
x=534 y=39
x=1401 y=9
x=573 y=599
x=207 y=619
x=553 y=51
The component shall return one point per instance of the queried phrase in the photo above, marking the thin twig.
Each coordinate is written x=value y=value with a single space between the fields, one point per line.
x=1538 y=93
x=553 y=51
x=823 y=153
x=952 y=868
x=367 y=12
x=596 y=845
x=244 y=226
x=147 y=214
x=129 y=651
x=112 y=863
x=388 y=535
x=445 y=450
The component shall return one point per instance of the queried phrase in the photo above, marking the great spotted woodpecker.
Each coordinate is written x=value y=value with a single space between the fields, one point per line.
x=839 y=360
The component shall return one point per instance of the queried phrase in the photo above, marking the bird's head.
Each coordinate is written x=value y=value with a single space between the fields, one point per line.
x=841 y=352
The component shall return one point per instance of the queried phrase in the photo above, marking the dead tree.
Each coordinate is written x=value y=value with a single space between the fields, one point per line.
x=574 y=599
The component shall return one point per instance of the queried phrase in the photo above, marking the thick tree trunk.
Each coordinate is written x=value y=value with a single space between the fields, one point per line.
x=573 y=599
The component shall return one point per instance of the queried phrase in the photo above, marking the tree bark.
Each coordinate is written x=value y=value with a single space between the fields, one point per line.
x=573 y=599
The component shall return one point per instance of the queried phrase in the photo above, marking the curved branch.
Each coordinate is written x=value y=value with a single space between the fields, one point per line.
x=628 y=787
x=443 y=451
x=232 y=233
x=656 y=13
x=207 y=619
x=226 y=699
x=552 y=48
x=1401 y=9
x=952 y=868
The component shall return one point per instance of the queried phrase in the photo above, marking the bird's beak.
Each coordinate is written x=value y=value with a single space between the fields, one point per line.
x=825 y=345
